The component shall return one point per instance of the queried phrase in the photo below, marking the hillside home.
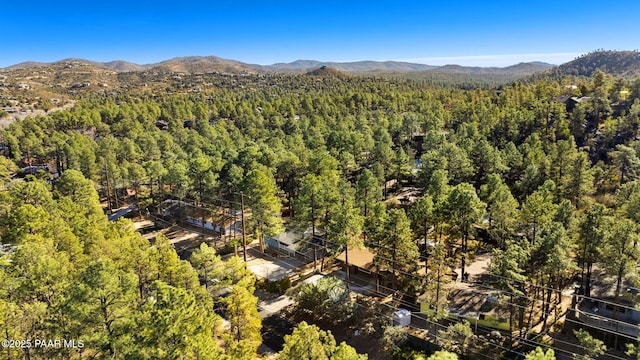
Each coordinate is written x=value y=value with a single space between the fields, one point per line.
x=622 y=318
x=480 y=307
x=574 y=101
x=292 y=243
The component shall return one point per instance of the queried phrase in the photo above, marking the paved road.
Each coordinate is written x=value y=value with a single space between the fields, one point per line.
x=270 y=307
x=274 y=326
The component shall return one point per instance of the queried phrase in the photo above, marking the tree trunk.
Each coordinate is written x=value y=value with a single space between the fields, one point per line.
x=521 y=313
x=617 y=300
x=153 y=200
x=136 y=189
x=438 y=289
x=315 y=256
x=366 y=194
x=426 y=266
x=106 y=175
x=426 y=238
x=588 y=280
x=290 y=196
x=511 y=318
x=548 y=307
x=346 y=260
x=559 y=287
x=393 y=267
x=464 y=254
x=532 y=308
x=313 y=217
x=261 y=238
x=385 y=189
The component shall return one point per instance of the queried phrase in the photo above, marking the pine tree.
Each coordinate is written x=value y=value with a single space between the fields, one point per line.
x=308 y=342
x=266 y=217
x=463 y=209
x=397 y=251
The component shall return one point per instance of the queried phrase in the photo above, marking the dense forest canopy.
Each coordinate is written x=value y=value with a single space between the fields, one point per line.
x=548 y=169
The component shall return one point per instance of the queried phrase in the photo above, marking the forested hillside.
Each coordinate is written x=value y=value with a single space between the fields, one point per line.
x=548 y=170
x=618 y=63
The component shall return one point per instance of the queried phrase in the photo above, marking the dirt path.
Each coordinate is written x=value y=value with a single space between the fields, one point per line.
x=479 y=266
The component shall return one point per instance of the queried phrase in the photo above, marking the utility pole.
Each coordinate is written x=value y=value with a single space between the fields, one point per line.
x=244 y=239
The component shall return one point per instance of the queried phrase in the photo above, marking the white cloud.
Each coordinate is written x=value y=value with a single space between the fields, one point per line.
x=499 y=60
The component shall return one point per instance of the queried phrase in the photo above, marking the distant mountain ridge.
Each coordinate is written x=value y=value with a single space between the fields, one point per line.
x=202 y=64
x=521 y=69
x=355 y=66
x=62 y=80
x=190 y=64
x=618 y=63
x=116 y=65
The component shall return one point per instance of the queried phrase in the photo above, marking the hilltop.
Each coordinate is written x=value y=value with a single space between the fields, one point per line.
x=326 y=71
x=203 y=64
x=618 y=63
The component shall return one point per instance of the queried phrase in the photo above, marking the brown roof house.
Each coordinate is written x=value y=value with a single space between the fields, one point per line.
x=363 y=272
x=360 y=261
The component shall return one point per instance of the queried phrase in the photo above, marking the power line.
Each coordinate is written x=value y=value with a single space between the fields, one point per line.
x=549 y=313
x=402 y=301
x=435 y=324
x=528 y=298
x=522 y=340
x=441 y=326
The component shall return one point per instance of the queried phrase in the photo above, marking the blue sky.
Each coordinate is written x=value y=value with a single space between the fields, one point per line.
x=479 y=33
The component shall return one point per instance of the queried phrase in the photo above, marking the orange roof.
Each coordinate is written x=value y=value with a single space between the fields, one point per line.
x=362 y=258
